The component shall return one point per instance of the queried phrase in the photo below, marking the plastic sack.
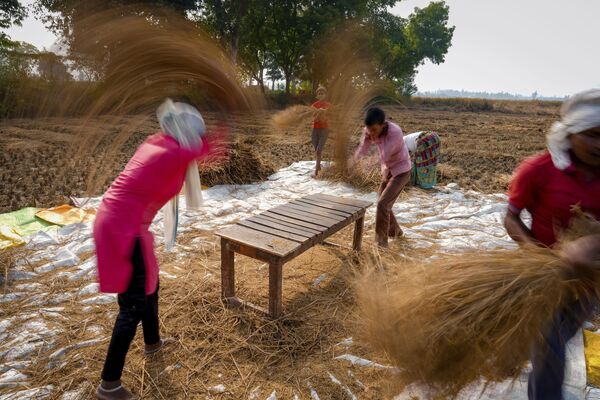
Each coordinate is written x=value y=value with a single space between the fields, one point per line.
x=66 y=215
x=592 y=357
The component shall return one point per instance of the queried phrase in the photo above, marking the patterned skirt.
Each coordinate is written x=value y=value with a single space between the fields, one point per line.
x=425 y=159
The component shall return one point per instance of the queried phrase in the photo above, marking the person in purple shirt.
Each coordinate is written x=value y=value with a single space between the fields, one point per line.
x=395 y=169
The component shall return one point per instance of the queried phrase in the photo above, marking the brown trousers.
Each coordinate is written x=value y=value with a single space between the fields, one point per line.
x=385 y=221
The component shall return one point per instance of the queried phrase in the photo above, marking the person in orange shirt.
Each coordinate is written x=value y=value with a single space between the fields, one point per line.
x=320 y=130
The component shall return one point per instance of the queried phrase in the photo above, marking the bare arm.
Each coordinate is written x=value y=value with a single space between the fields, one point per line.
x=517 y=230
x=363 y=147
x=583 y=252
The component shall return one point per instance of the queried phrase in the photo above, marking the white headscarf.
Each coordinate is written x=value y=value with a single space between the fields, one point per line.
x=578 y=114
x=185 y=124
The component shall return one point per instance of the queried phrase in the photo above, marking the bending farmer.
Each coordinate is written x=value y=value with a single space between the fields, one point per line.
x=395 y=169
x=424 y=149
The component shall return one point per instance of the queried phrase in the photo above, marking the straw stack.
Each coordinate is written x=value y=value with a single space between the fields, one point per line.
x=448 y=322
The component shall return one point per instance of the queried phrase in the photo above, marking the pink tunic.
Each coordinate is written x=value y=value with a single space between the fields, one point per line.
x=392 y=150
x=153 y=176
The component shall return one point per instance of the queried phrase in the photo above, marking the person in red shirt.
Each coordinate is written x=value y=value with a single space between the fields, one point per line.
x=320 y=130
x=549 y=186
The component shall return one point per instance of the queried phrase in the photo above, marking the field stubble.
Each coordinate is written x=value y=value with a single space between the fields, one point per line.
x=479 y=150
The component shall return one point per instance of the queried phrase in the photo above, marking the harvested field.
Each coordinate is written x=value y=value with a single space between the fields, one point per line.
x=54 y=325
x=480 y=149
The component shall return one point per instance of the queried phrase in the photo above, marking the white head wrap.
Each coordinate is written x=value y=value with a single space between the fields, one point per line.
x=578 y=114
x=185 y=124
x=181 y=121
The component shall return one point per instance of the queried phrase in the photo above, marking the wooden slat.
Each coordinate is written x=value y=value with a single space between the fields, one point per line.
x=345 y=207
x=328 y=232
x=273 y=231
x=254 y=252
x=306 y=227
x=304 y=215
x=302 y=223
x=280 y=227
x=324 y=223
x=342 y=200
x=288 y=227
x=340 y=208
x=317 y=210
x=321 y=207
x=268 y=243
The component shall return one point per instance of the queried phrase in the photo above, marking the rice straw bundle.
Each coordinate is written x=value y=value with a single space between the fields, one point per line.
x=462 y=317
x=140 y=61
x=365 y=174
x=294 y=117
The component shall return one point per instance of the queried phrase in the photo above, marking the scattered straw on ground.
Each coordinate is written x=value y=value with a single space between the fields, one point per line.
x=241 y=350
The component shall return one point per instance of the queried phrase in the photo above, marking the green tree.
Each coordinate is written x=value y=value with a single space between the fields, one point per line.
x=17 y=65
x=292 y=34
x=224 y=19
x=403 y=44
x=64 y=17
x=255 y=44
x=12 y=12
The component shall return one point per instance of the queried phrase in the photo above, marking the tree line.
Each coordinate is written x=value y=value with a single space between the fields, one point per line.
x=271 y=41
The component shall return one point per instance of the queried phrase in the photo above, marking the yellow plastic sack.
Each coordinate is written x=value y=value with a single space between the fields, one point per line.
x=66 y=214
x=9 y=238
x=16 y=225
x=591 y=341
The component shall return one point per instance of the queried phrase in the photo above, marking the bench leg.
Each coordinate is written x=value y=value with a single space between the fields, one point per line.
x=275 y=288
x=358 y=233
x=227 y=270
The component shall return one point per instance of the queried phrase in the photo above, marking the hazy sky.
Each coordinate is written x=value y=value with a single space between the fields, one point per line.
x=517 y=46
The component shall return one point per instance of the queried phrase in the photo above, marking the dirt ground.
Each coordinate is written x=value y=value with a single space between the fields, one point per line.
x=41 y=166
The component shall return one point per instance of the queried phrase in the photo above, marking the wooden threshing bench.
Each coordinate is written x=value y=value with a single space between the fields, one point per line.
x=278 y=235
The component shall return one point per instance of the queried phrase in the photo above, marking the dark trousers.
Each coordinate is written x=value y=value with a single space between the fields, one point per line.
x=548 y=360
x=134 y=306
x=385 y=221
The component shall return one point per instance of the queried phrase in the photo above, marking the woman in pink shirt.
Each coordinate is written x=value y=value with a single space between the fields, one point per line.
x=124 y=245
x=395 y=169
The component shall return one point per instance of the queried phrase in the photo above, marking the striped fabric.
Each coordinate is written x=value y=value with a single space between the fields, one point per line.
x=425 y=159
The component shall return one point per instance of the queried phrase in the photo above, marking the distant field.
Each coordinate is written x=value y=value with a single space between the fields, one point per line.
x=482 y=141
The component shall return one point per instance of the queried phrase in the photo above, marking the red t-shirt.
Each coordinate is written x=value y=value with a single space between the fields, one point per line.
x=549 y=194
x=321 y=123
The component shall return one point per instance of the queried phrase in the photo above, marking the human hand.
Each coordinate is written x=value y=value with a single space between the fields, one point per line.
x=581 y=255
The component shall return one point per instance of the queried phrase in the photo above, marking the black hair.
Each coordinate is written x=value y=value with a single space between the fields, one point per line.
x=374 y=116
